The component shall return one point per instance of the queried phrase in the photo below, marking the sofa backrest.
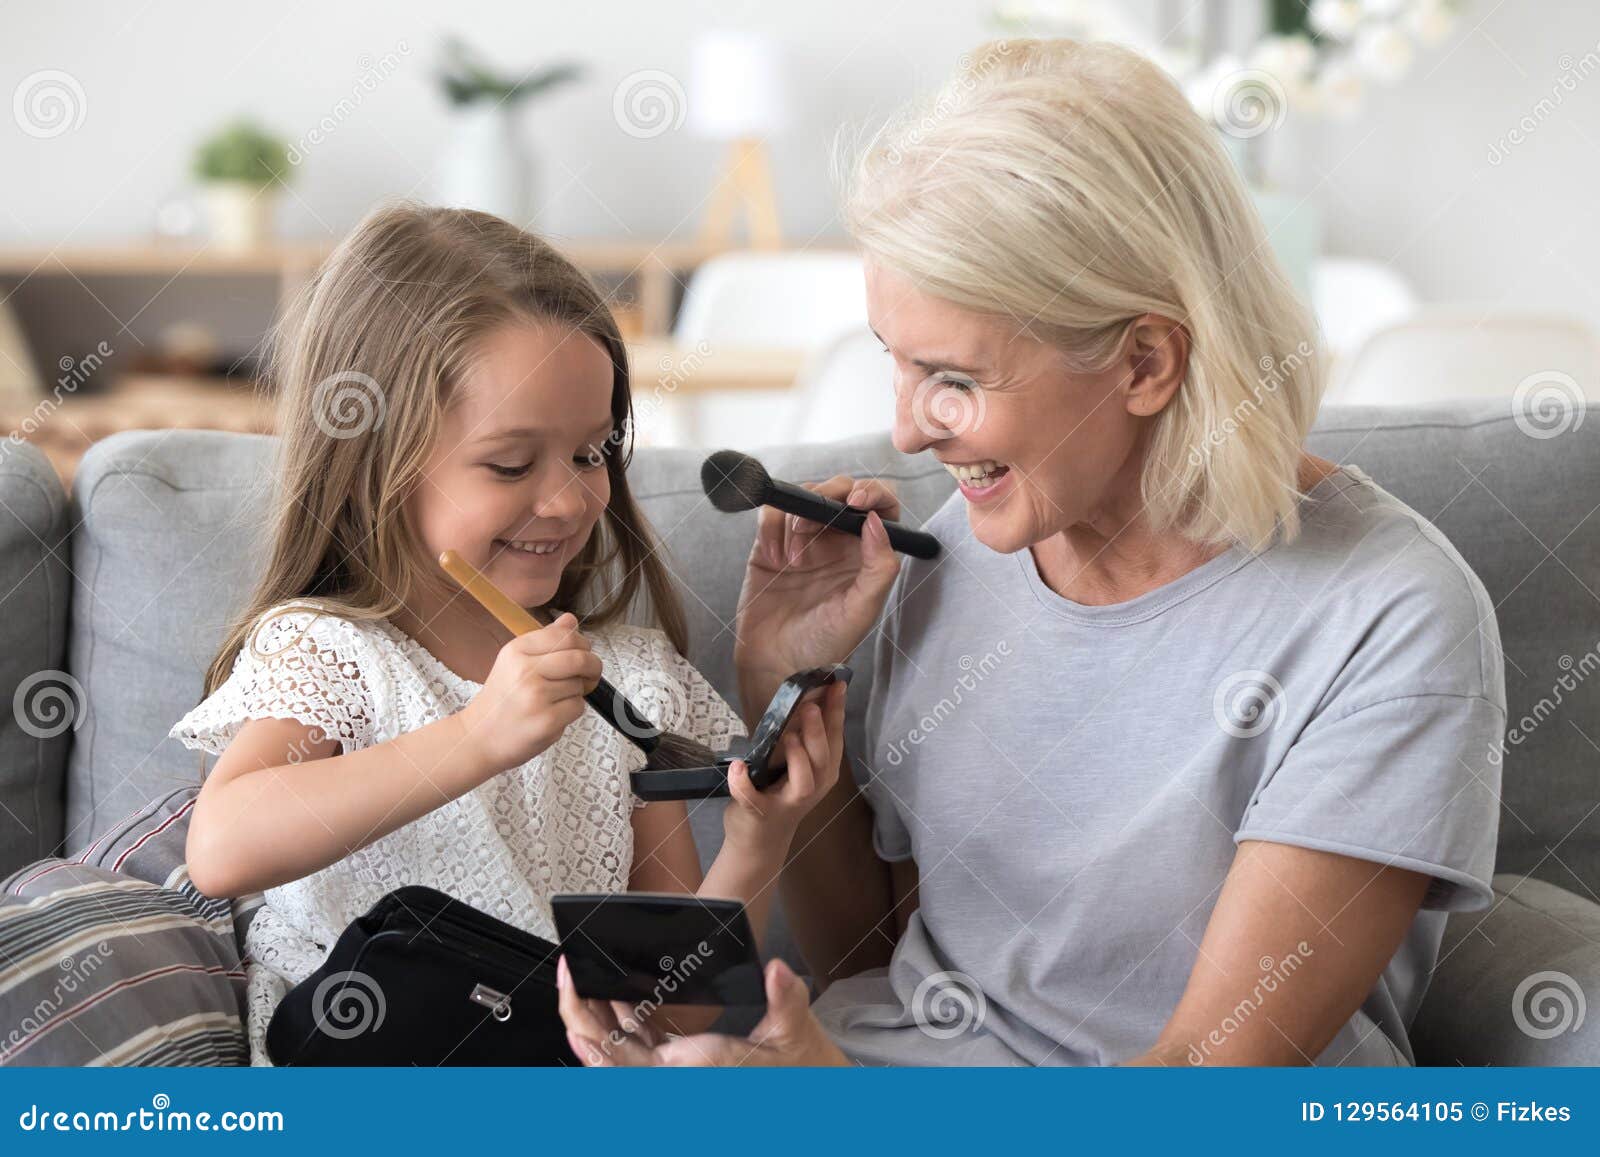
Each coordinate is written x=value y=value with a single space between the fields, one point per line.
x=170 y=539
x=38 y=703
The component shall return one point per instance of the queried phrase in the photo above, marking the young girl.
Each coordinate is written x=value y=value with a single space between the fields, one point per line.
x=448 y=381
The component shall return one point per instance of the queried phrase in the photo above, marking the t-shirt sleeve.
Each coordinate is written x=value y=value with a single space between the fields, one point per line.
x=890 y=838
x=1401 y=764
x=305 y=665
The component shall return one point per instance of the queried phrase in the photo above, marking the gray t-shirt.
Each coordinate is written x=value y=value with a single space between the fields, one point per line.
x=1072 y=780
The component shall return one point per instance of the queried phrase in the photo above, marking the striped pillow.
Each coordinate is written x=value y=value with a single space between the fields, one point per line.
x=115 y=959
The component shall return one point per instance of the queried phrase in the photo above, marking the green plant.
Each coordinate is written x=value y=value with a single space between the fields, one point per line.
x=467 y=78
x=242 y=151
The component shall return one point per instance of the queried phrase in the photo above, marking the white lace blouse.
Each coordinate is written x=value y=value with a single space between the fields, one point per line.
x=558 y=823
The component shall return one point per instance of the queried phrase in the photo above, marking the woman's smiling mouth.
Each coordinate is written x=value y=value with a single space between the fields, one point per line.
x=980 y=480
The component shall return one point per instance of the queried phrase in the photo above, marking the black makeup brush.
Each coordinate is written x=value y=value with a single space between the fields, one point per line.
x=735 y=482
x=664 y=750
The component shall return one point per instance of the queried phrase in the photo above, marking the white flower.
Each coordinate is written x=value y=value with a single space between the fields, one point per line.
x=1383 y=52
x=1339 y=90
x=1383 y=9
x=1335 y=18
x=1289 y=58
x=1430 y=21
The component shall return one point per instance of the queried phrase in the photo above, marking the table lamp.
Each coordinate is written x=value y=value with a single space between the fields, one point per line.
x=737 y=94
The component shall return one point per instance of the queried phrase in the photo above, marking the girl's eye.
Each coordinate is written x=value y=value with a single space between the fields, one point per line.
x=591 y=459
x=509 y=471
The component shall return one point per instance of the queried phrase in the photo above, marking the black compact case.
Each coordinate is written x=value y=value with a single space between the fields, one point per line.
x=712 y=781
x=654 y=948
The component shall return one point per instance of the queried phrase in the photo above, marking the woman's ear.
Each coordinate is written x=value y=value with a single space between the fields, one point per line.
x=1158 y=361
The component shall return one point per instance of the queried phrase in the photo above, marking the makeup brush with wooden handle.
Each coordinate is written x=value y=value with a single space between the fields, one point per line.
x=665 y=750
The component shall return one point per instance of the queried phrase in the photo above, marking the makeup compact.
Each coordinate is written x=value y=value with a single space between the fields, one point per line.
x=711 y=781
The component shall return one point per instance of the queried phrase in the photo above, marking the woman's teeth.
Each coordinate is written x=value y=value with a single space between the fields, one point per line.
x=977 y=474
x=531 y=547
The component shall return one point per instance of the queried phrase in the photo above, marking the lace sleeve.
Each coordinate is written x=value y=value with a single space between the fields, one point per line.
x=297 y=664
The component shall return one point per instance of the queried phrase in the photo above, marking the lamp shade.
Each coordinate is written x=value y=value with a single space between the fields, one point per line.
x=737 y=87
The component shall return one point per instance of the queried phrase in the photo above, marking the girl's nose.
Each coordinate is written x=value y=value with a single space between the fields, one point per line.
x=563 y=498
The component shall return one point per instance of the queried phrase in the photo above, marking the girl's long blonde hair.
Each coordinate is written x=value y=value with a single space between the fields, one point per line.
x=1071 y=188
x=366 y=362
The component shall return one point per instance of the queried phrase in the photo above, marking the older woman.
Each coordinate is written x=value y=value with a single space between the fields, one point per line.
x=1180 y=752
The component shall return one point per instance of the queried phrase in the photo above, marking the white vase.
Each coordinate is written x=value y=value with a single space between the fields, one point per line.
x=239 y=213
x=485 y=166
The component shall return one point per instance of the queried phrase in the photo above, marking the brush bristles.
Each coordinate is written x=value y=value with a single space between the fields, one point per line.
x=675 y=752
x=734 y=481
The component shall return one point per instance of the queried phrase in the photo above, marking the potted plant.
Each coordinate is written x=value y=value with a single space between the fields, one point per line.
x=486 y=166
x=239 y=168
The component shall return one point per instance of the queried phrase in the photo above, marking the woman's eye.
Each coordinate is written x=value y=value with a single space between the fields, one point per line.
x=591 y=459
x=959 y=381
x=509 y=471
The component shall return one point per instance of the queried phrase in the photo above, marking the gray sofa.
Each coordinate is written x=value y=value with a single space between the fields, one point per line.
x=123 y=588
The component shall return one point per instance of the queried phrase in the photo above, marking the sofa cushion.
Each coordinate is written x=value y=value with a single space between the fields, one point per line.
x=40 y=704
x=115 y=959
x=1529 y=969
x=1518 y=499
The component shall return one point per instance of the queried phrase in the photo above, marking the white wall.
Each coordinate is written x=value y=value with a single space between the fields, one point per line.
x=1409 y=181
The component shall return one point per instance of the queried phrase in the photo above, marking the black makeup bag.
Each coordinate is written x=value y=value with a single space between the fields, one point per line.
x=423 y=979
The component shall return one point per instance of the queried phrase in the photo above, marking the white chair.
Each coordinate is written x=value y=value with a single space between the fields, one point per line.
x=787 y=300
x=799 y=300
x=1353 y=298
x=844 y=390
x=1443 y=353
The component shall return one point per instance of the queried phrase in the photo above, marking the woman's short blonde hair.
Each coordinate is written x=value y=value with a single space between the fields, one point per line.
x=1072 y=188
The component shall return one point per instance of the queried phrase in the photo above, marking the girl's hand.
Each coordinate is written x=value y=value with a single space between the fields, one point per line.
x=810 y=594
x=811 y=748
x=533 y=692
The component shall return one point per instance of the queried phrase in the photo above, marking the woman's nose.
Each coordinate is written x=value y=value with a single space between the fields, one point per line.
x=909 y=436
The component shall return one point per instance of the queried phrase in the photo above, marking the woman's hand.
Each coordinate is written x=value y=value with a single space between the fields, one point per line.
x=604 y=1033
x=810 y=594
x=811 y=748
x=534 y=690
